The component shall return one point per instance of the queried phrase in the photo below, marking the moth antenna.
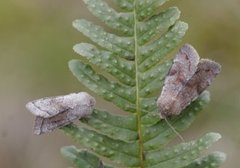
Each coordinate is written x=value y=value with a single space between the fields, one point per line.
x=174 y=130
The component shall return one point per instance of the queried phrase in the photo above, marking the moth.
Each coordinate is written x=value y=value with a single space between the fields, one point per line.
x=188 y=77
x=56 y=112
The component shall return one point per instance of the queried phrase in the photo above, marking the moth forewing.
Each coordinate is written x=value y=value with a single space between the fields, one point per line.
x=183 y=68
x=186 y=80
x=46 y=107
x=55 y=112
x=207 y=70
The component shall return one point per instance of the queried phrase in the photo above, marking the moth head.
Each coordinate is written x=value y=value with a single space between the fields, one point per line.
x=81 y=98
x=82 y=104
x=168 y=106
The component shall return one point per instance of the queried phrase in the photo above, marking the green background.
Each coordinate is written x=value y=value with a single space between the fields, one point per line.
x=36 y=39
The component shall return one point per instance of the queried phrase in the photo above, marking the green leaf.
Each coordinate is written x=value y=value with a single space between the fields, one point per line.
x=181 y=154
x=122 y=46
x=115 y=126
x=82 y=158
x=121 y=22
x=145 y=9
x=126 y=65
x=125 y=4
x=111 y=91
x=155 y=52
x=119 y=151
x=212 y=160
x=122 y=70
x=157 y=25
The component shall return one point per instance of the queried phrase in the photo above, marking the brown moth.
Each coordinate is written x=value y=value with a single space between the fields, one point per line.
x=56 y=112
x=188 y=77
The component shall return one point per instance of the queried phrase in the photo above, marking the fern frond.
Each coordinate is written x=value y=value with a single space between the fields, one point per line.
x=180 y=155
x=122 y=46
x=122 y=70
x=127 y=67
x=114 y=126
x=83 y=158
x=212 y=160
x=117 y=150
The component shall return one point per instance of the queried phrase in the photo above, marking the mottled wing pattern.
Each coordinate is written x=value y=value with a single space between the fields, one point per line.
x=56 y=112
x=182 y=70
x=44 y=125
x=47 y=107
x=206 y=71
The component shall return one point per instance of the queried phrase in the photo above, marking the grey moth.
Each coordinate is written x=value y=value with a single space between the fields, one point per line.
x=56 y=112
x=188 y=77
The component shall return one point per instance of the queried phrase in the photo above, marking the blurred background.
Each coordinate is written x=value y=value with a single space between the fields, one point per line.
x=36 y=39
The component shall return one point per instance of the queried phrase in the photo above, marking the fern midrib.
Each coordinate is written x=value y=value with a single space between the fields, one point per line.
x=138 y=107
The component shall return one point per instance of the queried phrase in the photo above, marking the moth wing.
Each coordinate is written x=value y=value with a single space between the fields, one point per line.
x=44 y=125
x=207 y=70
x=56 y=112
x=47 y=107
x=183 y=68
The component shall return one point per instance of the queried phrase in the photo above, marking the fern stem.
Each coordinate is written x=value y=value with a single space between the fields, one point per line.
x=138 y=107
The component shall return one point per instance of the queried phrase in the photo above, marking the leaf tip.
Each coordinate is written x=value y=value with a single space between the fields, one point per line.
x=175 y=9
x=68 y=152
x=72 y=63
x=213 y=136
x=205 y=97
x=219 y=156
x=75 y=23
